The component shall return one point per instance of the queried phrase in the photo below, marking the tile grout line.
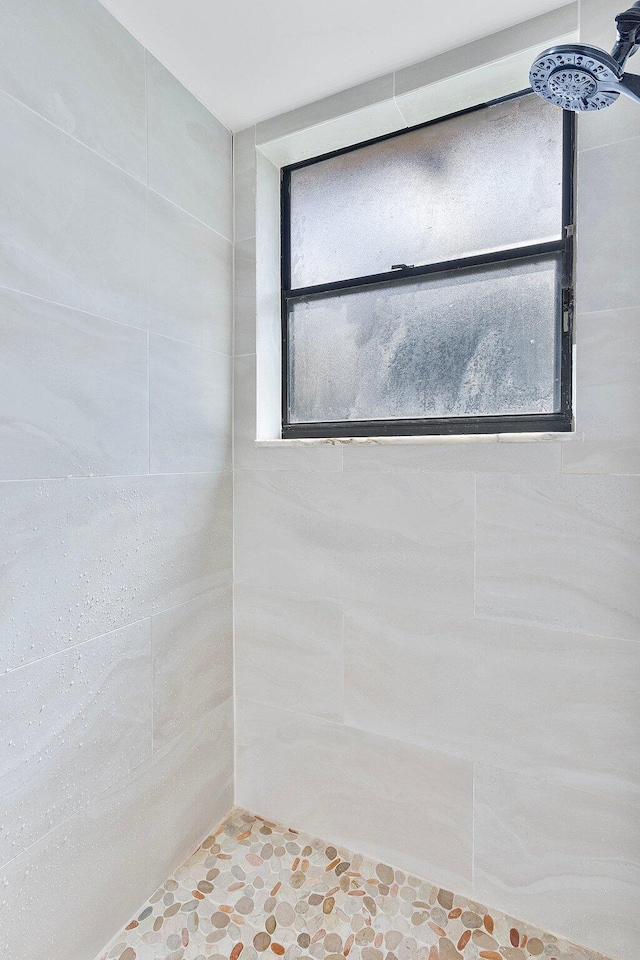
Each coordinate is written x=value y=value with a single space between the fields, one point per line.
x=440 y=752
x=115 y=165
x=120 y=323
x=234 y=678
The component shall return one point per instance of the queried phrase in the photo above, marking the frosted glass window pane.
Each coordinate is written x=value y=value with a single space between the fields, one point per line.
x=472 y=343
x=483 y=181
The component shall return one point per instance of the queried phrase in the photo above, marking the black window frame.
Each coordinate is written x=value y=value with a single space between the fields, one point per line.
x=560 y=421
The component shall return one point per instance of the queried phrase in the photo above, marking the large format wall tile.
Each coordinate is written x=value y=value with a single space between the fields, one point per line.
x=72 y=725
x=66 y=895
x=562 y=859
x=190 y=407
x=474 y=456
x=77 y=66
x=608 y=236
x=121 y=549
x=288 y=651
x=355 y=536
x=189 y=151
x=397 y=802
x=244 y=303
x=608 y=394
x=73 y=392
x=189 y=278
x=547 y=703
x=74 y=226
x=192 y=662
x=562 y=552
x=244 y=184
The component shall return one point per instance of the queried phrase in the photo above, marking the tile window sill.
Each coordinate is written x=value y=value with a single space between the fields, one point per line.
x=438 y=439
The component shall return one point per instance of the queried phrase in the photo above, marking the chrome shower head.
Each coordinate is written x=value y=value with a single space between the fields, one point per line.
x=578 y=77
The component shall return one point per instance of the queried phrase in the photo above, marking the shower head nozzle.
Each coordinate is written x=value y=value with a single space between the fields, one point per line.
x=578 y=77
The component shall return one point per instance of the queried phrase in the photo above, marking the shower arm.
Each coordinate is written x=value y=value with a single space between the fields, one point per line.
x=626 y=45
x=628 y=34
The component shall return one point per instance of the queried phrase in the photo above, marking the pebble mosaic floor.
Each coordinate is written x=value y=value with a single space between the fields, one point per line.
x=255 y=890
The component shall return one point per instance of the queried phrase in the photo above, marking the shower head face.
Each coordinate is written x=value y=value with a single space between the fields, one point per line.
x=576 y=77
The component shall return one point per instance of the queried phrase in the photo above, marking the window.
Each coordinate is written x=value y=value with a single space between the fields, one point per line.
x=426 y=279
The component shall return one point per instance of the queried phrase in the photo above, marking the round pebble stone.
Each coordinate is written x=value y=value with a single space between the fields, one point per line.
x=471 y=920
x=439 y=916
x=279 y=851
x=204 y=886
x=297 y=879
x=331 y=853
x=145 y=913
x=369 y=903
x=333 y=943
x=304 y=940
x=244 y=906
x=216 y=936
x=261 y=941
x=407 y=893
x=267 y=851
x=292 y=847
x=328 y=905
x=269 y=904
x=535 y=946
x=285 y=914
x=407 y=949
x=307 y=851
x=174 y=941
x=483 y=941
x=315 y=899
x=168 y=899
x=392 y=939
x=385 y=873
x=364 y=936
x=302 y=907
x=445 y=899
x=128 y=954
x=220 y=919
x=270 y=924
x=371 y=953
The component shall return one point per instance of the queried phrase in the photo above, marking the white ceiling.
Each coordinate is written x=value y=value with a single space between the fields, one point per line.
x=252 y=59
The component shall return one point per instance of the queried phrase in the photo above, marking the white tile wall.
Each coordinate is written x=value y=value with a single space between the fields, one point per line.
x=115 y=477
x=408 y=806
x=488 y=590
x=567 y=858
